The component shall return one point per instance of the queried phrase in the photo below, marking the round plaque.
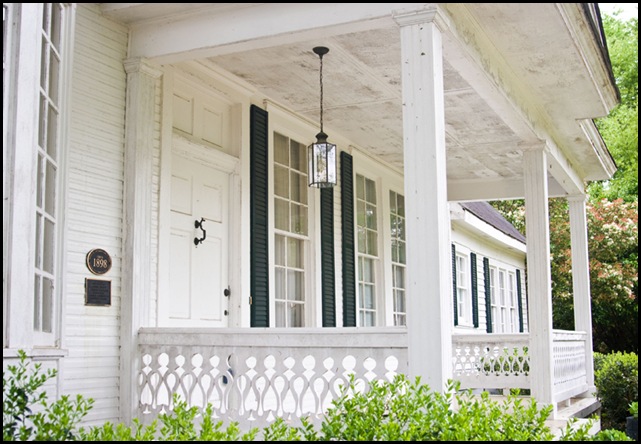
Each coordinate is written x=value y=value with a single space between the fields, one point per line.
x=98 y=261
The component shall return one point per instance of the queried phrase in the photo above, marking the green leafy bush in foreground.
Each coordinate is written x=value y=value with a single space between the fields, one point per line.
x=616 y=377
x=392 y=411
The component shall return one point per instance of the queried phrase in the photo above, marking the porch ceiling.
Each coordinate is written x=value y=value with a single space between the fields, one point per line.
x=514 y=74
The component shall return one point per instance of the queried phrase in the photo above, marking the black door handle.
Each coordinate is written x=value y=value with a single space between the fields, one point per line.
x=199 y=224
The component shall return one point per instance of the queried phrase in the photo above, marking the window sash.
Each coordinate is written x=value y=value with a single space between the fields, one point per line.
x=367 y=251
x=504 y=300
x=291 y=231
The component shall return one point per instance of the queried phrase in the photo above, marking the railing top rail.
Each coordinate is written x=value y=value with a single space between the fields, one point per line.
x=352 y=337
x=509 y=338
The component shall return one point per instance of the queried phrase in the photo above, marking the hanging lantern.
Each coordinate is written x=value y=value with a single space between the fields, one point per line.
x=321 y=154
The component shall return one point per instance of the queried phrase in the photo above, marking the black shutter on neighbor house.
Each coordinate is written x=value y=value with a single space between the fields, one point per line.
x=327 y=257
x=519 y=299
x=454 y=285
x=259 y=205
x=488 y=294
x=347 y=229
x=475 y=290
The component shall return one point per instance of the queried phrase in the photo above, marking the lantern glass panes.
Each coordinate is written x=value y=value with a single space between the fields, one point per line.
x=322 y=163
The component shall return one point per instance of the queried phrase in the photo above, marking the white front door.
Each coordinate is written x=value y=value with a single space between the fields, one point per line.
x=198 y=263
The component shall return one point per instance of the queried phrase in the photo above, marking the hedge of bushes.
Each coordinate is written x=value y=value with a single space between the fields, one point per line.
x=392 y=411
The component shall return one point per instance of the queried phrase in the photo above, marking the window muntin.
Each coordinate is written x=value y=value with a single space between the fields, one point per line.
x=291 y=240
x=397 y=239
x=47 y=169
x=504 y=300
x=367 y=252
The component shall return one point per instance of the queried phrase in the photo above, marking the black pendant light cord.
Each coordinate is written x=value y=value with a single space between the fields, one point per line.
x=321 y=51
x=321 y=92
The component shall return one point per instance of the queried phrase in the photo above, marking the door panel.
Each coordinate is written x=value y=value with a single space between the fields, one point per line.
x=198 y=271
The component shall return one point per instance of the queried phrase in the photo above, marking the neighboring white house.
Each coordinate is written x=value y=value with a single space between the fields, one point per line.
x=159 y=234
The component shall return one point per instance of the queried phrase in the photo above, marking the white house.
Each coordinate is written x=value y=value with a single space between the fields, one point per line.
x=160 y=236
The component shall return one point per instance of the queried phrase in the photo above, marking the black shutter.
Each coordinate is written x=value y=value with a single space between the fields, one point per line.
x=488 y=295
x=519 y=299
x=475 y=291
x=454 y=285
x=348 y=253
x=259 y=205
x=327 y=257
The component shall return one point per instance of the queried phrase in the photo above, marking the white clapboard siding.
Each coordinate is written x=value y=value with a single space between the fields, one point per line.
x=94 y=210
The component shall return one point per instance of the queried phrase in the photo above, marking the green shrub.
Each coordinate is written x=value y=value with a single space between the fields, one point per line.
x=617 y=384
x=598 y=360
x=634 y=409
x=179 y=425
x=611 y=435
x=404 y=411
x=27 y=414
x=392 y=411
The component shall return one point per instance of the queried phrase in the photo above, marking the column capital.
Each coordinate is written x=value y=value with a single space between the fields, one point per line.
x=581 y=198
x=429 y=14
x=142 y=66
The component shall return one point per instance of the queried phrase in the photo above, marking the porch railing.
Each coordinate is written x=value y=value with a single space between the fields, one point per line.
x=252 y=376
x=495 y=361
x=570 y=364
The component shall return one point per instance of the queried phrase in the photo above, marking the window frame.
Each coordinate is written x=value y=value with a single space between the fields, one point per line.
x=504 y=298
x=464 y=283
x=22 y=119
x=288 y=129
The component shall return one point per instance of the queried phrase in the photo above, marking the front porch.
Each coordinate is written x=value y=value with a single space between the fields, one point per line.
x=254 y=375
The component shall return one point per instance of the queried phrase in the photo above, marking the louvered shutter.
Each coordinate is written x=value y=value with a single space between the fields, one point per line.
x=259 y=205
x=327 y=258
x=347 y=229
x=475 y=290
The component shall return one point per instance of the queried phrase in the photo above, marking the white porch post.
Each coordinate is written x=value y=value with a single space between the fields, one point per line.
x=136 y=274
x=429 y=263
x=537 y=232
x=581 y=280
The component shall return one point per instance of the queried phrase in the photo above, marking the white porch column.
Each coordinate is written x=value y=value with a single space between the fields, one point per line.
x=581 y=279
x=136 y=274
x=537 y=232
x=429 y=262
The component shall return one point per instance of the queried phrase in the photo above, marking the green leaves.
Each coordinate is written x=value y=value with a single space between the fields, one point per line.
x=26 y=412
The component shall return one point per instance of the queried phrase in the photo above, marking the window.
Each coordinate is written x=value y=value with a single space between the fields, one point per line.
x=463 y=290
x=367 y=253
x=291 y=238
x=397 y=229
x=47 y=169
x=504 y=301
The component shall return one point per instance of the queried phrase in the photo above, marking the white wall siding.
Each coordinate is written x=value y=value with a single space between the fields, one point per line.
x=93 y=210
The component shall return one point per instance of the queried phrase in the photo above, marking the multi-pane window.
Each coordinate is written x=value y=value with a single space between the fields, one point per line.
x=463 y=293
x=47 y=168
x=504 y=301
x=367 y=230
x=291 y=230
x=397 y=230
